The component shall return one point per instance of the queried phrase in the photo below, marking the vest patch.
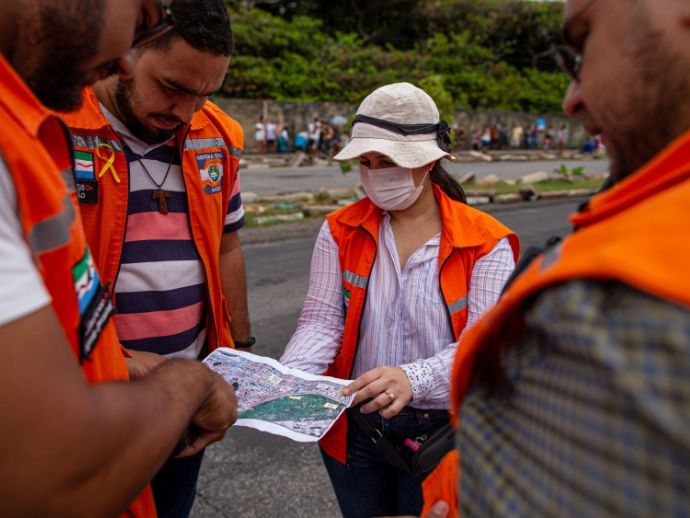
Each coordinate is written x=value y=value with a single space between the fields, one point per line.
x=86 y=281
x=93 y=299
x=84 y=166
x=346 y=298
x=87 y=191
x=211 y=169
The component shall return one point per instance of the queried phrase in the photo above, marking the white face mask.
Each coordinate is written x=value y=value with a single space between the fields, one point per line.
x=391 y=188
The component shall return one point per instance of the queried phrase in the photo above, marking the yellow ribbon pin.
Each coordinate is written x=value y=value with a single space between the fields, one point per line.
x=109 y=161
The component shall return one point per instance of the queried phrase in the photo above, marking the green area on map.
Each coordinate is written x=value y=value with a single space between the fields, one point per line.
x=311 y=407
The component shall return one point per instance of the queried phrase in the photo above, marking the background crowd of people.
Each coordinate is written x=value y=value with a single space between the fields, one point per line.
x=536 y=136
x=319 y=137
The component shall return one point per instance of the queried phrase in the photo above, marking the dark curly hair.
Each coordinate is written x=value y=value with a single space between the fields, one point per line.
x=203 y=24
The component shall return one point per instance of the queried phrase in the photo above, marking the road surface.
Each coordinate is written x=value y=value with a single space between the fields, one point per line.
x=271 y=181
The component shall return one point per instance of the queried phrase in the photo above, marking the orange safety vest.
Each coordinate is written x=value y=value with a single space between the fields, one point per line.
x=634 y=233
x=35 y=147
x=467 y=235
x=211 y=138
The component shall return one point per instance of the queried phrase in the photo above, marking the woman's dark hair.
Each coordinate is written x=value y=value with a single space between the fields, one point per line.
x=447 y=183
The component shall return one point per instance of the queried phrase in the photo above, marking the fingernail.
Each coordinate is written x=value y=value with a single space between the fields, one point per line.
x=345 y=392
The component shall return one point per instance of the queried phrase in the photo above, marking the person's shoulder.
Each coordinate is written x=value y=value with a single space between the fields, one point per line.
x=631 y=331
x=359 y=207
x=220 y=117
x=471 y=221
x=606 y=300
x=480 y=219
x=88 y=115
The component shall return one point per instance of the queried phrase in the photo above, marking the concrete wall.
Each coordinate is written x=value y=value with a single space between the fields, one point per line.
x=296 y=115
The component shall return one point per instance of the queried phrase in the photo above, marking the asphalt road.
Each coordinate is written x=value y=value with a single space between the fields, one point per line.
x=253 y=474
x=270 y=181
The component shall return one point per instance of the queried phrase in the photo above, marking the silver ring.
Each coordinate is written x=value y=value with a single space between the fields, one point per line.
x=390 y=395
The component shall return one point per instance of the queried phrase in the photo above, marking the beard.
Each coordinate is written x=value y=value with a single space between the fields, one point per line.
x=124 y=100
x=656 y=109
x=67 y=32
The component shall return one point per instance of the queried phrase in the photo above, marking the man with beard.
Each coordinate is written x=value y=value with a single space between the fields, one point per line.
x=75 y=439
x=157 y=173
x=573 y=392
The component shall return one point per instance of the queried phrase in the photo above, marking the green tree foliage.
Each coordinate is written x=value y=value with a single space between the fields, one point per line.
x=488 y=54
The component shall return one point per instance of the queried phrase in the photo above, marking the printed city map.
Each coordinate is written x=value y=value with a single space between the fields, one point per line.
x=280 y=400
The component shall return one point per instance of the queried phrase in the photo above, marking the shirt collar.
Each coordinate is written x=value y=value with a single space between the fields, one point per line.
x=434 y=241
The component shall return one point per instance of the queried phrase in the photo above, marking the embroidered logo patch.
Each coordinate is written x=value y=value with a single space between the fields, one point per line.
x=346 y=297
x=83 y=166
x=95 y=308
x=86 y=281
x=211 y=168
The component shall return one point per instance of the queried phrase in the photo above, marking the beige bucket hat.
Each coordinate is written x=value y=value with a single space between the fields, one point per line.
x=402 y=122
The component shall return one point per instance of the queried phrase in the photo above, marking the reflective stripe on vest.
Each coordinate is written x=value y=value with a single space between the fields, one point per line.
x=206 y=143
x=68 y=177
x=458 y=305
x=55 y=231
x=92 y=142
x=354 y=279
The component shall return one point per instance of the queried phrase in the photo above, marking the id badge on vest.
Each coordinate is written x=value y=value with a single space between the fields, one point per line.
x=85 y=181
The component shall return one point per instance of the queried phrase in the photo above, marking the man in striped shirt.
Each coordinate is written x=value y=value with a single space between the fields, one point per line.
x=156 y=143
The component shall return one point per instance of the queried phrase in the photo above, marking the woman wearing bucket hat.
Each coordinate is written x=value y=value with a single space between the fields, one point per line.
x=395 y=279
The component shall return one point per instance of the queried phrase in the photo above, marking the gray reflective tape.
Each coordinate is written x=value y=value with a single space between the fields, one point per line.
x=235 y=151
x=92 y=142
x=551 y=256
x=354 y=279
x=53 y=232
x=203 y=143
x=68 y=177
x=458 y=305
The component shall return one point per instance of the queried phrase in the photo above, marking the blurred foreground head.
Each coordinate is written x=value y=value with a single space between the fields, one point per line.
x=60 y=46
x=634 y=77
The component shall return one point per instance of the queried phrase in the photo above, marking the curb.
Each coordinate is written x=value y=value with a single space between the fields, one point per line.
x=310 y=226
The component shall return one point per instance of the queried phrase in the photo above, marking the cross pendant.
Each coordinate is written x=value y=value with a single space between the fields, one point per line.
x=161 y=196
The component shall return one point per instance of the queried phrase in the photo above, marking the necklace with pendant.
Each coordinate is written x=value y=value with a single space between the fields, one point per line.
x=159 y=194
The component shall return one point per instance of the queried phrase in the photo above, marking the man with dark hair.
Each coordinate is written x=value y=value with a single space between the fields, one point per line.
x=159 y=191
x=76 y=439
x=573 y=392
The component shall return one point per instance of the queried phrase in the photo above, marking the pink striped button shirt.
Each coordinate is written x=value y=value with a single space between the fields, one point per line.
x=404 y=322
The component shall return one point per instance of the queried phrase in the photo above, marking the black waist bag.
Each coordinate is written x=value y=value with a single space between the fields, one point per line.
x=421 y=462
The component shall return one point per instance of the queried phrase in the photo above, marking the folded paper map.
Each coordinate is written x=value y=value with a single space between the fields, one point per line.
x=280 y=400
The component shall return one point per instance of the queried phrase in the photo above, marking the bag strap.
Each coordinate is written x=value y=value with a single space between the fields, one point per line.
x=389 y=451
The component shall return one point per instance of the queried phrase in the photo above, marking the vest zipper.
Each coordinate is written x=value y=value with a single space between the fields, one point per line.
x=205 y=348
x=124 y=231
x=364 y=303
